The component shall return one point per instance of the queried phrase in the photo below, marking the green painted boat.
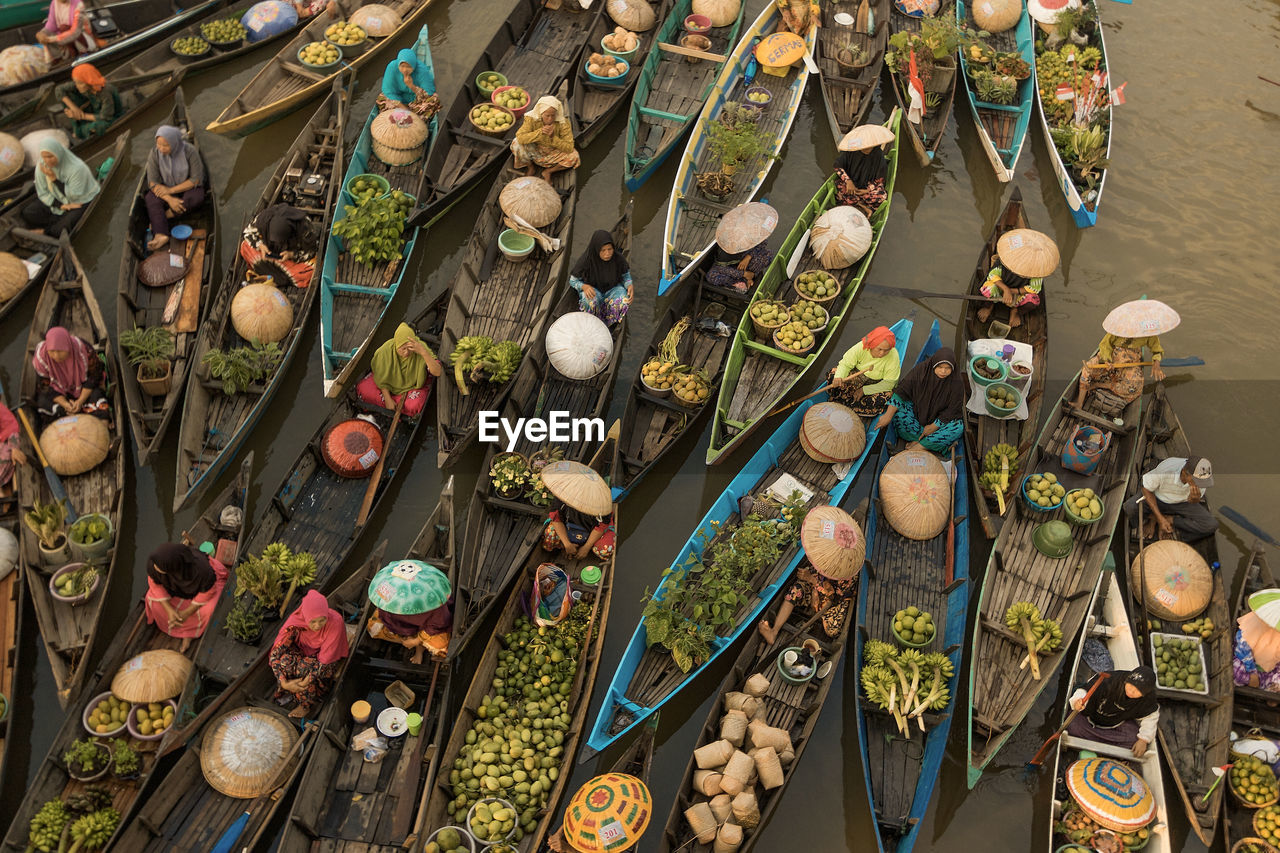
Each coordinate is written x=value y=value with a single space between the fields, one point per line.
x=758 y=375
x=15 y=13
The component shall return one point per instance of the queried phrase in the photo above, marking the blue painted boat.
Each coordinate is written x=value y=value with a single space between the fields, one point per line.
x=1002 y=128
x=354 y=296
x=646 y=678
x=933 y=575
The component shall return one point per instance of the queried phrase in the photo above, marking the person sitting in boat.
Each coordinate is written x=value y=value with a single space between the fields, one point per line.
x=422 y=632
x=183 y=588
x=814 y=594
x=798 y=16
x=928 y=404
x=865 y=377
x=1173 y=492
x=577 y=533
x=91 y=102
x=308 y=653
x=1123 y=711
x=404 y=369
x=1130 y=327
x=1256 y=659
x=409 y=83
x=602 y=278
x=739 y=270
x=310 y=8
x=286 y=239
x=1007 y=287
x=70 y=377
x=10 y=454
x=64 y=186
x=545 y=140
x=413 y=606
x=175 y=182
x=860 y=173
x=67 y=31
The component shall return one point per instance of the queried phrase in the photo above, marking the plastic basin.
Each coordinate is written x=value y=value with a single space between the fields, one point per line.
x=514 y=245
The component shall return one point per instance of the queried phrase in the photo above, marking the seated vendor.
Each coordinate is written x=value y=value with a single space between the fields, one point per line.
x=876 y=359
x=860 y=178
x=10 y=455
x=65 y=186
x=67 y=31
x=1129 y=328
x=409 y=83
x=545 y=140
x=91 y=102
x=815 y=595
x=1173 y=495
x=176 y=182
x=183 y=588
x=576 y=533
x=602 y=278
x=404 y=369
x=1256 y=660
x=308 y=653
x=928 y=404
x=70 y=378
x=1017 y=273
x=1123 y=711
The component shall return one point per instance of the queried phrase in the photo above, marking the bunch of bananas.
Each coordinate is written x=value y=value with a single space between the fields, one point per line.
x=1040 y=634
x=46 y=827
x=1020 y=610
x=498 y=363
x=466 y=355
x=991 y=467
x=94 y=830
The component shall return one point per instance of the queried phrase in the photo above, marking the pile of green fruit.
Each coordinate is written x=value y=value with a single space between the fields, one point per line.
x=1044 y=490
x=758 y=97
x=401 y=202
x=153 y=718
x=813 y=315
x=319 y=53
x=512 y=98
x=83 y=822
x=344 y=34
x=992 y=465
x=1002 y=397
x=372 y=230
x=492 y=820
x=89 y=529
x=362 y=188
x=491 y=118
x=485 y=360
x=1203 y=626
x=189 y=46
x=817 y=285
x=77 y=582
x=794 y=336
x=447 y=840
x=223 y=31
x=1178 y=662
x=489 y=82
x=109 y=715
x=1253 y=781
x=1084 y=503
x=913 y=625
x=769 y=313
x=1266 y=822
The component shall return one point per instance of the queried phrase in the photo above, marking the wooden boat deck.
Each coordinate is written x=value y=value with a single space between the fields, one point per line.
x=849 y=92
x=926 y=136
x=597 y=103
x=13 y=607
x=983 y=432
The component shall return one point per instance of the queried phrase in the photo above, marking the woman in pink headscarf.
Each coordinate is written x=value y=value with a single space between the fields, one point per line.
x=67 y=32
x=71 y=378
x=308 y=652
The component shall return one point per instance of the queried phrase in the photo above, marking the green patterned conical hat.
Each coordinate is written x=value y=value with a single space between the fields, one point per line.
x=409 y=587
x=1266 y=603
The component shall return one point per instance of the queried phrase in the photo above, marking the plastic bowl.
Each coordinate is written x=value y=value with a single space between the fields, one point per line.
x=982 y=381
x=132 y=722
x=1077 y=520
x=484 y=90
x=514 y=245
x=518 y=112
x=1032 y=504
x=661 y=393
x=608 y=81
x=758 y=105
x=621 y=54
x=226 y=45
x=377 y=179
x=77 y=599
x=909 y=644
x=306 y=64
x=496 y=802
x=468 y=839
x=1001 y=412
x=84 y=717
x=188 y=57
x=697 y=24
x=784 y=671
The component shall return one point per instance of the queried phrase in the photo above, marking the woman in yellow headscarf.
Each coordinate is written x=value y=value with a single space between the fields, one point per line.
x=545 y=140
x=404 y=369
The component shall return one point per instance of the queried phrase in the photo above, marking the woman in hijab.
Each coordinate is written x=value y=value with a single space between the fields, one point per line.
x=183 y=587
x=860 y=179
x=404 y=369
x=409 y=83
x=422 y=632
x=10 y=455
x=67 y=32
x=1123 y=711
x=602 y=278
x=175 y=182
x=875 y=357
x=1256 y=662
x=739 y=270
x=308 y=653
x=928 y=404
x=70 y=377
x=64 y=185
x=91 y=102
x=545 y=139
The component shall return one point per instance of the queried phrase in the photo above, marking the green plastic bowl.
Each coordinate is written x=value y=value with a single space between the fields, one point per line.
x=485 y=90
x=998 y=411
x=514 y=245
x=1077 y=520
x=982 y=381
x=377 y=179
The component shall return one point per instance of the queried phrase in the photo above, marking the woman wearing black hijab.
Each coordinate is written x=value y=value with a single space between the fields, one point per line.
x=602 y=278
x=183 y=587
x=860 y=179
x=1123 y=710
x=281 y=242
x=928 y=405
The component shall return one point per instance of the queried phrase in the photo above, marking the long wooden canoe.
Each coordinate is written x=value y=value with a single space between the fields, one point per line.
x=672 y=88
x=692 y=217
x=137 y=635
x=139 y=305
x=597 y=103
x=1107 y=628
x=983 y=432
x=1193 y=728
x=214 y=423
x=648 y=677
x=355 y=296
x=1002 y=128
x=1083 y=195
x=37 y=249
x=502 y=299
x=1252 y=722
x=927 y=135
x=70 y=633
x=759 y=375
x=848 y=91
x=1000 y=694
x=13 y=608
x=284 y=84
x=341 y=804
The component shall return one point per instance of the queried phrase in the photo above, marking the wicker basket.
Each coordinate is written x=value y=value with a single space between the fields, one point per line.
x=780 y=345
x=1258 y=842
x=1248 y=805
x=825 y=302
x=765 y=333
x=498 y=134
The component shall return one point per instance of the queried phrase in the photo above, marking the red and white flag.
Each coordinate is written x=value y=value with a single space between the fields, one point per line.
x=1065 y=92
x=1117 y=94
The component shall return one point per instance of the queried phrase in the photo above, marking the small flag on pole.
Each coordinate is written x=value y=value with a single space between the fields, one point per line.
x=1117 y=94
x=1065 y=92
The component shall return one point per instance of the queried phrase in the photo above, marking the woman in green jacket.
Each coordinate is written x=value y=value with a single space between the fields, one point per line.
x=875 y=358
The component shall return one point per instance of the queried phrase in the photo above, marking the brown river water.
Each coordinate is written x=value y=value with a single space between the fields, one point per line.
x=1187 y=217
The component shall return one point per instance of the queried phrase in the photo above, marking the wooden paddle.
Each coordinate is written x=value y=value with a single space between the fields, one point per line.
x=367 y=503
x=1038 y=758
x=821 y=388
x=50 y=475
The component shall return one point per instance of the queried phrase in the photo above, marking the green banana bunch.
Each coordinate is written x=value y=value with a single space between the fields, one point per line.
x=1017 y=611
x=93 y=831
x=466 y=354
x=991 y=462
x=498 y=362
x=942 y=700
x=1049 y=628
x=46 y=827
x=877 y=683
x=878 y=652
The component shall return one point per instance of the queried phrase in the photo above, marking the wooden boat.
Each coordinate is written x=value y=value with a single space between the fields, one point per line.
x=1083 y=194
x=13 y=608
x=142 y=306
x=900 y=773
x=164 y=821
x=1107 y=627
x=15 y=13
x=137 y=635
x=28 y=112
x=1000 y=694
x=1193 y=727
x=692 y=216
x=671 y=90
x=213 y=422
x=537 y=49
x=500 y=533
x=648 y=677
x=983 y=432
x=926 y=136
x=354 y=296
x=1251 y=722
x=70 y=633
x=1257 y=576
x=38 y=249
x=284 y=84
x=341 y=804
x=848 y=90
x=652 y=424
x=597 y=103
x=759 y=375
x=1002 y=128
x=502 y=299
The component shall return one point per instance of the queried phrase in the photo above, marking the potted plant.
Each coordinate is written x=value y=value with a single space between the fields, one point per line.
x=125 y=761
x=47 y=522
x=241 y=367
x=737 y=143
x=536 y=493
x=942 y=36
x=244 y=622
x=509 y=475
x=716 y=186
x=74 y=583
x=87 y=760
x=545 y=456
x=92 y=535
x=1084 y=149
x=150 y=350
x=735 y=113
x=260 y=578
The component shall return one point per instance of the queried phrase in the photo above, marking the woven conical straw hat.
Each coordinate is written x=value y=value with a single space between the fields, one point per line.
x=1141 y=318
x=915 y=493
x=1027 y=253
x=745 y=226
x=75 y=444
x=532 y=199
x=578 y=486
x=833 y=542
x=152 y=676
x=1178 y=583
x=609 y=813
x=243 y=752
x=376 y=19
x=996 y=16
x=13 y=276
x=864 y=137
x=831 y=432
